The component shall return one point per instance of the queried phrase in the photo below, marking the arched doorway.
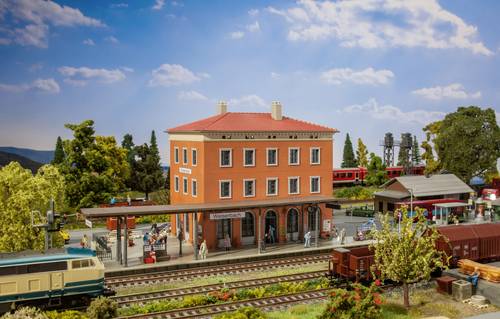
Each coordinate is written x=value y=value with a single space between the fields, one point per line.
x=312 y=214
x=292 y=225
x=248 y=229
x=271 y=227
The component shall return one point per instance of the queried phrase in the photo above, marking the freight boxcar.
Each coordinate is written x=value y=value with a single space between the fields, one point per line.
x=351 y=264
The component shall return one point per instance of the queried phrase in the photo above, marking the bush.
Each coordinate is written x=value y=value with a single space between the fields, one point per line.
x=68 y=314
x=102 y=308
x=243 y=313
x=26 y=313
x=360 y=303
x=356 y=192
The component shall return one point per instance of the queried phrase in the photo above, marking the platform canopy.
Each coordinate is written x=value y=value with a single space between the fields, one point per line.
x=206 y=207
x=451 y=205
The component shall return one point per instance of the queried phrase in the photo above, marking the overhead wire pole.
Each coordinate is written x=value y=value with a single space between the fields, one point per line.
x=195 y=235
x=259 y=234
x=316 y=243
x=125 y=243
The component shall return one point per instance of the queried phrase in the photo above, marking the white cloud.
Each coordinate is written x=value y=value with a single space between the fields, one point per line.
x=254 y=27
x=366 y=76
x=111 y=39
x=118 y=5
x=43 y=85
x=88 y=42
x=253 y=12
x=79 y=75
x=452 y=91
x=30 y=21
x=73 y=82
x=237 y=35
x=174 y=74
x=376 y=24
x=389 y=112
x=275 y=75
x=127 y=69
x=191 y=96
x=158 y=4
x=248 y=102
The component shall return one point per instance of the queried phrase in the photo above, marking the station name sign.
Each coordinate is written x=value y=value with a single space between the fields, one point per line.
x=231 y=215
x=184 y=170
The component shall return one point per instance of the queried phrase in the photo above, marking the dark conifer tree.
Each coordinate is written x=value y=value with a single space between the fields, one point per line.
x=415 y=152
x=348 y=159
x=59 y=152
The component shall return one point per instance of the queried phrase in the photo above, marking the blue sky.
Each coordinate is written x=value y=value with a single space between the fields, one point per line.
x=363 y=67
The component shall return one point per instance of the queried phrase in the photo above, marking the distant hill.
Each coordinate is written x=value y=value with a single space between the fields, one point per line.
x=6 y=158
x=44 y=157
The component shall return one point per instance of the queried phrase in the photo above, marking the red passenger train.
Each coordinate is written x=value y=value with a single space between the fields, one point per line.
x=357 y=175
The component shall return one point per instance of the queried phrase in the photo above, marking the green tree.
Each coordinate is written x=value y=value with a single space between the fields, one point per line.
x=402 y=155
x=415 y=152
x=59 y=152
x=406 y=253
x=348 y=156
x=95 y=168
x=376 y=174
x=362 y=154
x=431 y=164
x=467 y=142
x=20 y=194
x=129 y=146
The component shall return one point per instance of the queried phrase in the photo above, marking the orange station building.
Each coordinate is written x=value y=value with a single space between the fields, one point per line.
x=244 y=158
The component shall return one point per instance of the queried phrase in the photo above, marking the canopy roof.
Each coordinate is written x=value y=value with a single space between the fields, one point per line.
x=451 y=205
x=187 y=208
x=434 y=185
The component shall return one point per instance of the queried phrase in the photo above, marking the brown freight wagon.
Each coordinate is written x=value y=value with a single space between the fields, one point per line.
x=463 y=242
x=489 y=240
x=351 y=264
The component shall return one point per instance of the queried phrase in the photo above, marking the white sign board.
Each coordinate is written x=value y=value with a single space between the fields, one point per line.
x=327 y=225
x=232 y=215
x=88 y=223
x=185 y=170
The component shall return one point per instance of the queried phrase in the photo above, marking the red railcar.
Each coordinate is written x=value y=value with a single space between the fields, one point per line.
x=351 y=264
x=357 y=175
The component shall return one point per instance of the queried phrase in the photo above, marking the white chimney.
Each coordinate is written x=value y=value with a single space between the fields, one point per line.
x=276 y=111
x=221 y=107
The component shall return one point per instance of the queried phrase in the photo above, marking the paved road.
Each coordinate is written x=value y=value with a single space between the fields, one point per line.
x=491 y=315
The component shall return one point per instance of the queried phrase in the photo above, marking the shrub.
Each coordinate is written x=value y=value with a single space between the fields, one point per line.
x=26 y=313
x=68 y=314
x=102 y=308
x=359 y=303
x=356 y=192
x=243 y=313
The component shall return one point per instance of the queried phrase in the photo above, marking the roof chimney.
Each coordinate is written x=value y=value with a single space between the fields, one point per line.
x=221 y=107
x=276 y=112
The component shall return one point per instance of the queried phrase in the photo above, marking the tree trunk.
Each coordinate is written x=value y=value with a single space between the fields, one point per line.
x=146 y=194
x=406 y=295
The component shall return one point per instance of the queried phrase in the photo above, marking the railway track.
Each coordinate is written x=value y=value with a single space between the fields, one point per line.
x=141 y=298
x=267 y=303
x=174 y=275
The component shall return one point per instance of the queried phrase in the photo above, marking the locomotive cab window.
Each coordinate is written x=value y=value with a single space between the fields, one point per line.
x=85 y=263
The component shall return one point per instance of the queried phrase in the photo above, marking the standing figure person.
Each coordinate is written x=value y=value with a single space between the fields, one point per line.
x=129 y=200
x=227 y=242
x=271 y=234
x=334 y=233
x=180 y=236
x=307 y=239
x=342 y=236
x=203 y=250
x=84 y=242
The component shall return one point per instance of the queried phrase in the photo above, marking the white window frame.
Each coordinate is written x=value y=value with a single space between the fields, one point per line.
x=185 y=182
x=176 y=183
x=267 y=156
x=244 y=157
x=311 y=155
x=230 y=157
x=289 y=156
x=230 y=188
x=253 y=188
x=185 y=159
x=194 y=151
x=267 y=186
x=311 y=184
x=298 y=185
x=194 y=190
x=176 y=155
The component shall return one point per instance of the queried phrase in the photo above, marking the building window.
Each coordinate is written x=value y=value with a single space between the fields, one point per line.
x=224 y=189
x=194 y=187
x=311 y=218
x=293 y=185
x=194 y=156
x=184 y=156
x=176 y=183
x=176 y=155
x=293 y=156
x=315 y=185
x=223 y=228
x=249 y=157
x=249 y=187
x=315 y=156
x=272 y=186
x=225 y=156
x=272 y=156
x=292 y=221
x=247 y=225
x=184 y=185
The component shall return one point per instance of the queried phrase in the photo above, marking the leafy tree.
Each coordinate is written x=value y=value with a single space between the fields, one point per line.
x=415 y=152
x=20 y=194
x=376 y=174
x=467 y=141
x=128 y=145
x=167 y=182
x=59 y=152
x=95 y=168
x=408 y=255
x=362 y=154
x=348 y=157
x=431 y=164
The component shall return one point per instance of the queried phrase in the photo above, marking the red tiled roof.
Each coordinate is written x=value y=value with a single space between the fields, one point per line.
x=249 y=122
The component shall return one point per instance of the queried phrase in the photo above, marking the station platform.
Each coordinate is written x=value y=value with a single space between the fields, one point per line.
x=489 y=290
